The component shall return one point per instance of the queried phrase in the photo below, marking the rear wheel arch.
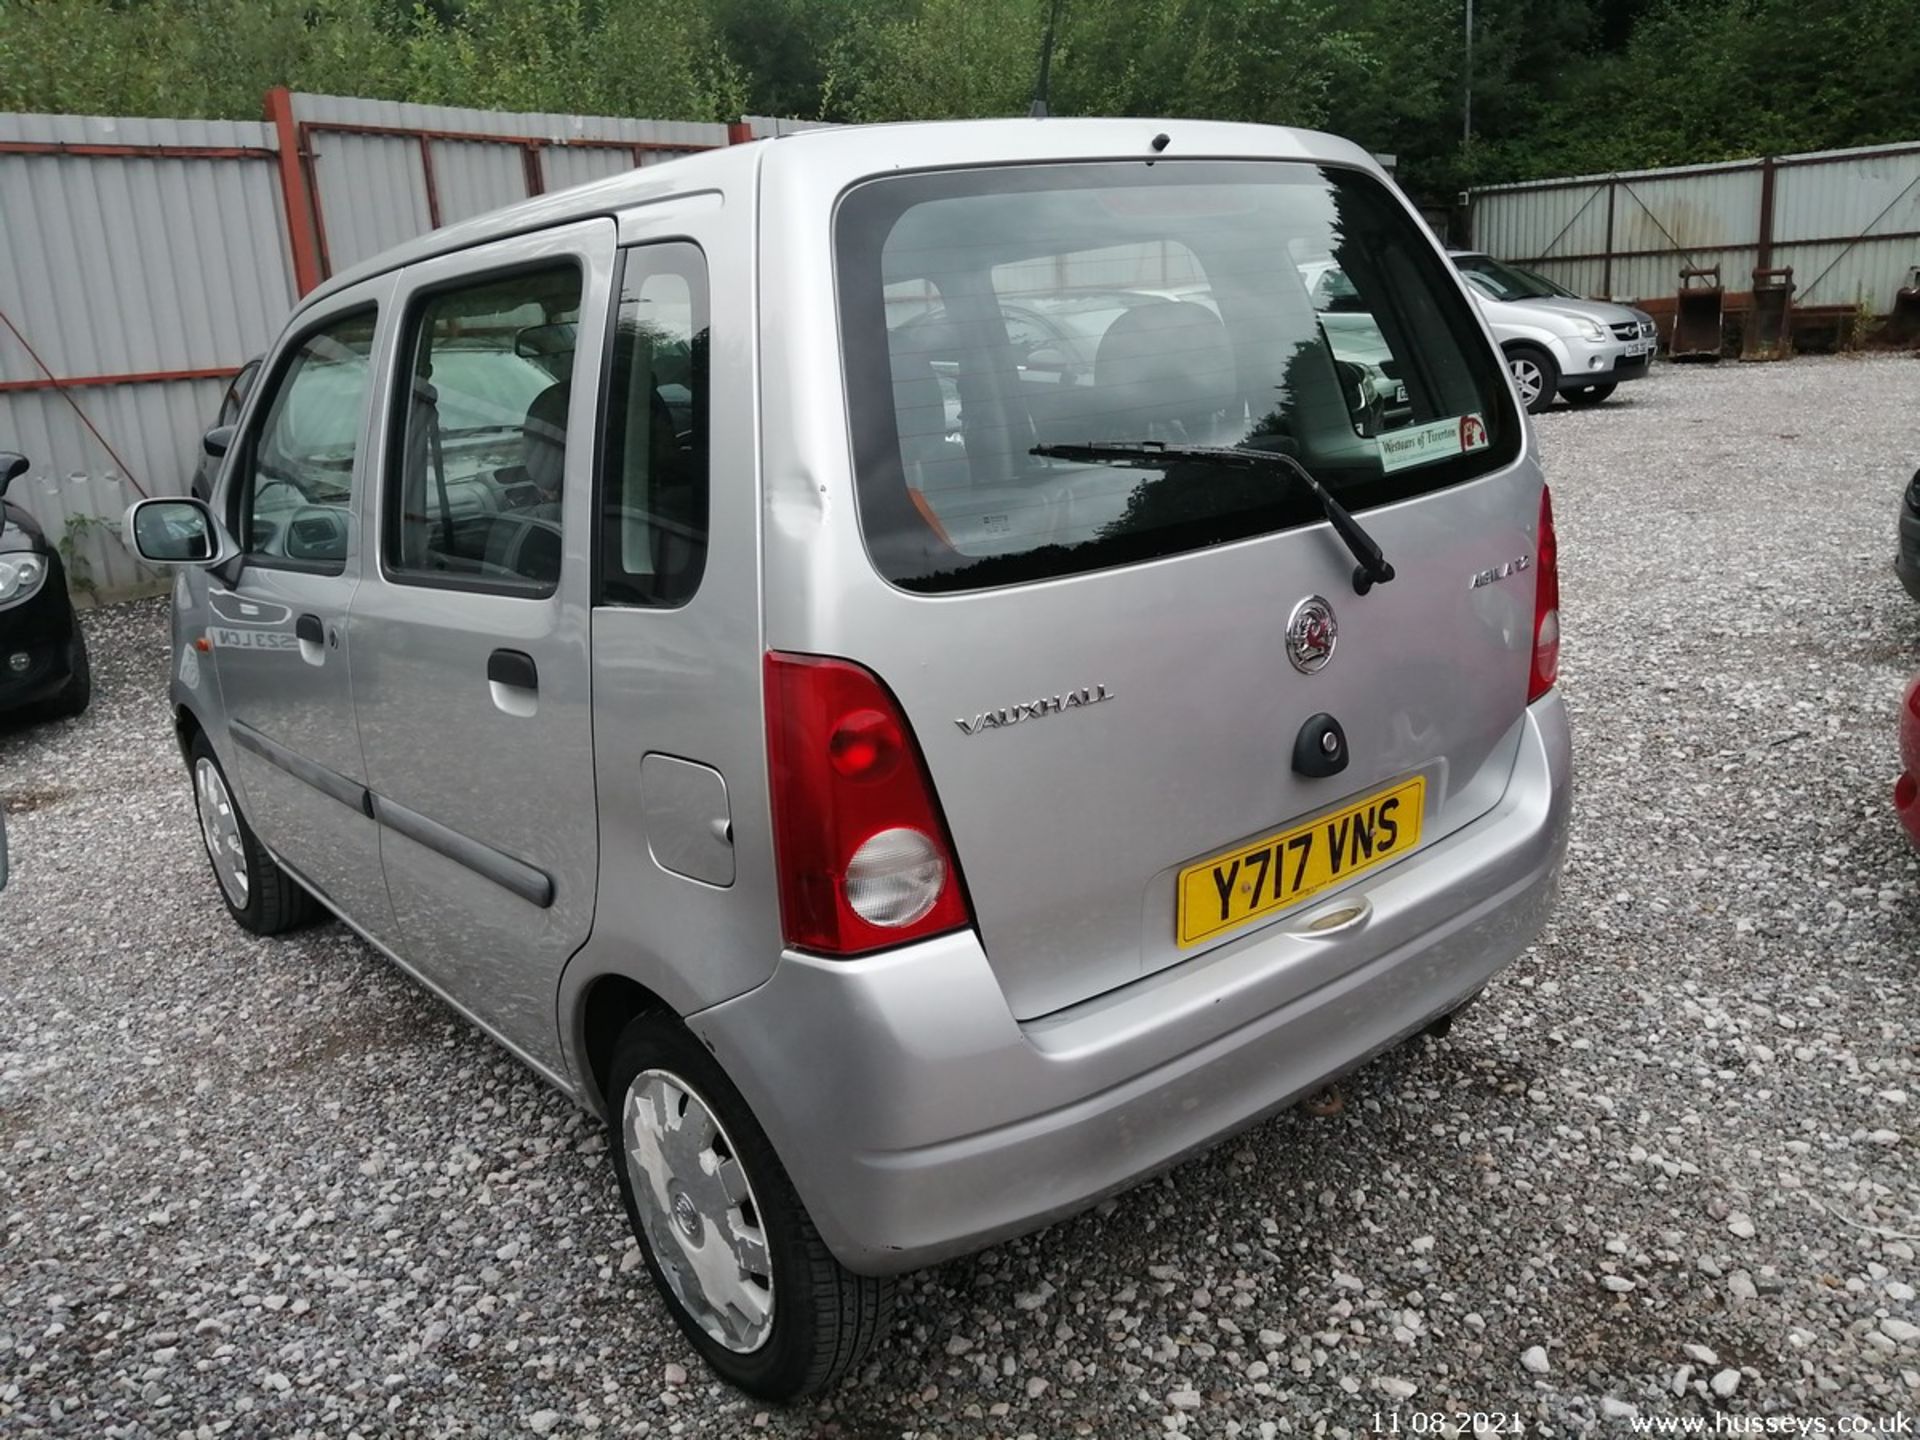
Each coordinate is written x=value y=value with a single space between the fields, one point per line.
x=607 y=1006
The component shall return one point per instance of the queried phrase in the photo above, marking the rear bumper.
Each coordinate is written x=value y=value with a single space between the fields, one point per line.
x=920 y=1121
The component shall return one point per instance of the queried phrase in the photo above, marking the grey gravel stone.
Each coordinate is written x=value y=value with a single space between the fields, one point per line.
x=195 y=1123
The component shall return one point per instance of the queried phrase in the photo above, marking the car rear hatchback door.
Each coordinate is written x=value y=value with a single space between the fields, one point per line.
x=1123 y=667
x=470 y=629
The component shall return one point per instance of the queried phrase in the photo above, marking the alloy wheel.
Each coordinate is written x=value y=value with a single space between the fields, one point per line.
x=1527 y=378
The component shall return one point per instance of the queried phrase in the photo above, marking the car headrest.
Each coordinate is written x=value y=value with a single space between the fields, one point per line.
x=543 y=437
x=1166 y=361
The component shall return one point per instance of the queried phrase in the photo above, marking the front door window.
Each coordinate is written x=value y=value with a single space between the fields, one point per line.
x=293 y=505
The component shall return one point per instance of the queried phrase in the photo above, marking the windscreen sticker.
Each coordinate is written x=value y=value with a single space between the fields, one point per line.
x=1424 y=444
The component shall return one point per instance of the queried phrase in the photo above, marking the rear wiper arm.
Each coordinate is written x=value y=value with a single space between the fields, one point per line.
x=1372 y=568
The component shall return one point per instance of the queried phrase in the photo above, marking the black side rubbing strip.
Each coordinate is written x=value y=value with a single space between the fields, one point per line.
x=331 y=783
x=533 y=886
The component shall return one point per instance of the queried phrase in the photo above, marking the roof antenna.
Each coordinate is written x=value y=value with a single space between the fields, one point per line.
x=1038 y=110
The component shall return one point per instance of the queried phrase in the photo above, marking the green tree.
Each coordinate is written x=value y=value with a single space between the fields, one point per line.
x=1273 y=61
x=1560 y=86
x=649 y=58
x=199 y=58
x=936 y=59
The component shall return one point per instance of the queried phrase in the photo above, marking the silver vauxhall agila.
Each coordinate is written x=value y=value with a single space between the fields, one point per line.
x=916 y=671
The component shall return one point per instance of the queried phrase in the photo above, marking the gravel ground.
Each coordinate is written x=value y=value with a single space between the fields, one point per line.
x=1666 y=1167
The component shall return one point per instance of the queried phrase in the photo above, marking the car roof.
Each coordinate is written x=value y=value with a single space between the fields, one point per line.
x=878 y=149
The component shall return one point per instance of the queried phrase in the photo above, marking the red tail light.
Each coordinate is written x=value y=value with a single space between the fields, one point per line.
x=862 y=849
x=1546 y=604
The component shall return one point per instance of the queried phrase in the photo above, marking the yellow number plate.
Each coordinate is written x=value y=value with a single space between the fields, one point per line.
x=1270 y=875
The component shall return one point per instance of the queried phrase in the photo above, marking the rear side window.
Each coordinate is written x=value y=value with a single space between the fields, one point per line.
x=653 y=522
x=1273 y=305
x=474 y=488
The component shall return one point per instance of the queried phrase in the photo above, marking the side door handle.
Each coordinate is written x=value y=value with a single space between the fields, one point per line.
x=514 y=683
x=312 y=636
x=513 y=667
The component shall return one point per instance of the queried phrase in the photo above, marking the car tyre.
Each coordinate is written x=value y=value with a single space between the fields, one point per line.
x=1535 y=376
x=709 y=1201
x=78 y=693
x=259 y=895
x=1590 y=394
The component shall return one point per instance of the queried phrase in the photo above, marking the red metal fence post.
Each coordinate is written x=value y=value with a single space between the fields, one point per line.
x=301 y=233
x=433 y=184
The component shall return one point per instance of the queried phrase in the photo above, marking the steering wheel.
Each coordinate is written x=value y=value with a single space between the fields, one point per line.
x=269 y=482
x=1364 y=404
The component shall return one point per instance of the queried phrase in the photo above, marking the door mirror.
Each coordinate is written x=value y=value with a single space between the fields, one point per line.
x=12 y=467
x=217 y=441
x=176 y=532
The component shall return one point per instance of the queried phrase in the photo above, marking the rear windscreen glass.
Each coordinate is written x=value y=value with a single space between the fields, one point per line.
x=1275 y=305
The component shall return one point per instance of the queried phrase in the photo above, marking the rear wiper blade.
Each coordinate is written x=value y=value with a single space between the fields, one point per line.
x=1372 y=568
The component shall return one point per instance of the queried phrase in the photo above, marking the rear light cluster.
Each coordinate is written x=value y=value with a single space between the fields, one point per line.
x=863 y=853
x=1546 y=604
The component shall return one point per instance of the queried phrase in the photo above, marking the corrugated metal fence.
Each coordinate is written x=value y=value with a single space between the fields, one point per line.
x=1847 y=221
x=142 y=262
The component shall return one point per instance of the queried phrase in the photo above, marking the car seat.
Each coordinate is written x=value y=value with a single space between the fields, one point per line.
x=1166 y=371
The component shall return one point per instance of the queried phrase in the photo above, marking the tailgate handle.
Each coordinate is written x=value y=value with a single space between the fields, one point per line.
x=1320 y=749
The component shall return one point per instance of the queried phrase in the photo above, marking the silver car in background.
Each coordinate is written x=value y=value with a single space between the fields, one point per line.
x=912 y=670
x=1555 y=342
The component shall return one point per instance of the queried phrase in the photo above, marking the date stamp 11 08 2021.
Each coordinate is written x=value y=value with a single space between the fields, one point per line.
x=1448 y=1422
